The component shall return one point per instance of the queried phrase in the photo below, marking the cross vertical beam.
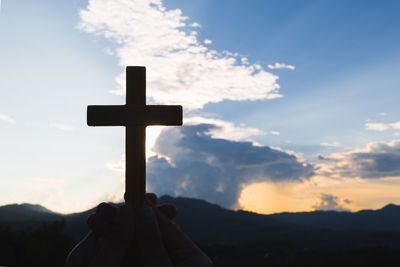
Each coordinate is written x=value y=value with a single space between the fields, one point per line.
x=135 y=139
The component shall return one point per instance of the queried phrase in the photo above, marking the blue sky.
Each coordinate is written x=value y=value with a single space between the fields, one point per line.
x=302 y=96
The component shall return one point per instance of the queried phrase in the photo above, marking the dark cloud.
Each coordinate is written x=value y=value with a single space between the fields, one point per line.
x=216 y=169
x=378 y=160
x=331 y=202
x=347 y=201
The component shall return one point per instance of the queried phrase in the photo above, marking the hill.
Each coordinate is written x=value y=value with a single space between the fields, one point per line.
x=211 y=224
x=386 y=219
x=26 y=212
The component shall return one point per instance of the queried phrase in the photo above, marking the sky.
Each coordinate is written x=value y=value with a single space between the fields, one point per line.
x=288 y=105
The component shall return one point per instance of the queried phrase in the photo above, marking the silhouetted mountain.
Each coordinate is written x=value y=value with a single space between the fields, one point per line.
x=211 y=224
x=386 y=219
x=26 y=212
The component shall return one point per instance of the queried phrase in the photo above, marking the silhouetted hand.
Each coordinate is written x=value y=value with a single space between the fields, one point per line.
x=146 y=237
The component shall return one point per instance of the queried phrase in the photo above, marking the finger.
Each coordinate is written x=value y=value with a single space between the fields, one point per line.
x=123 y=224
x=148 y=238
x=114 y=244
x=152 y=198
x=106 y=211
x=97 y=224
x=182 y=250
x=168 y=210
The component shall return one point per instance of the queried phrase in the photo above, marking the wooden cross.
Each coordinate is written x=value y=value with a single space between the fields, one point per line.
x=135 y=115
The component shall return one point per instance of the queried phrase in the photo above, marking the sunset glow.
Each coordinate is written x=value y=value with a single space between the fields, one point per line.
x=289 y=108
x=268 y=198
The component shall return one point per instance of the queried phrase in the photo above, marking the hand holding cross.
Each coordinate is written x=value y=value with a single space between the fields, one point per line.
x=135 y=116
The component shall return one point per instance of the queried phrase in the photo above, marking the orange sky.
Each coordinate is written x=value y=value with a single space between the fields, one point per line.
x=267 y=198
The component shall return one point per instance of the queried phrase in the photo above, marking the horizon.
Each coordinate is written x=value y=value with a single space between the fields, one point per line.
x=196 y=199
x=287 y=106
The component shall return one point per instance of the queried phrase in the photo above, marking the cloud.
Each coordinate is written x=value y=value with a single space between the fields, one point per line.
x=118 y=166
x=281 y=66
x=275 y=133
x=395 y=125
x=207 y=41
x=224 y=129
x=333 y=144
x=382 y=126
x=109 y=51
x=109 y=197
x=6 y=118
x=376 y=126
x=331 y=202
x=181 y=70
x=195 y=25
x=61 y=126
x=193 y=163
x=377 y=160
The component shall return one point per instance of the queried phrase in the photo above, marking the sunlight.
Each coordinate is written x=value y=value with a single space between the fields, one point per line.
x=268 y=197
x=152 y=133
x=352 y=194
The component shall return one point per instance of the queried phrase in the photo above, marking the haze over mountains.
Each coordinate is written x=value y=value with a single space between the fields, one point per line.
x=209 y=224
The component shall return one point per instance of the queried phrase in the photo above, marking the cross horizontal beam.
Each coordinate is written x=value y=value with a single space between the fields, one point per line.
x=131 y=115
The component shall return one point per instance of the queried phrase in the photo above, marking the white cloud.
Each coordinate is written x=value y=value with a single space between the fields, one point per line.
x=195 y=25
x=108 y=51
x=380 y=127
x=207 y=41
x=118 y=166
x=333 y=144
x=224 y=129
x=395 y=125
x=181 y=70
x=6 y=118
x=257 y=66
x=382 y=113
x=281 y=66
x=275 y=133
x=376 y=126
x=61 y=126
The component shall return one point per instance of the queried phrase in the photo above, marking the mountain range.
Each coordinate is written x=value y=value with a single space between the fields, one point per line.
x=210 y=224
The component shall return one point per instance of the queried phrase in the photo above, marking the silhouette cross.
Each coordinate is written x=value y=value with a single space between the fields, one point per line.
x=135 y=115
